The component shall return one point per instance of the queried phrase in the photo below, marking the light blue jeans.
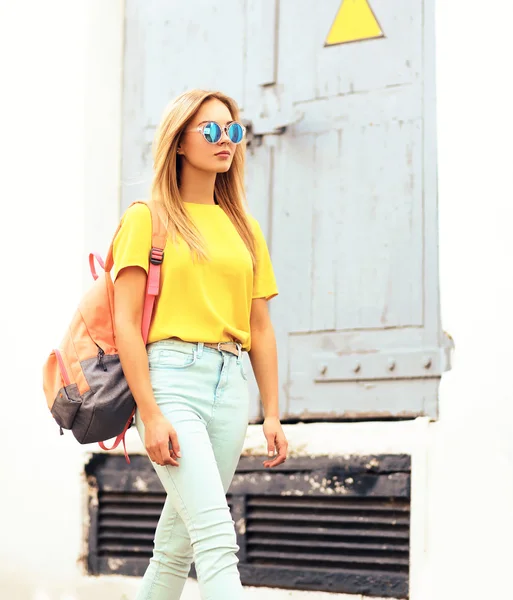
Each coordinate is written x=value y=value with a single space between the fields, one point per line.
x=204 y=394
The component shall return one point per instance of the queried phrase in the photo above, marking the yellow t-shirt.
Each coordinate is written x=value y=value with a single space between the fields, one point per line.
x=202 y=301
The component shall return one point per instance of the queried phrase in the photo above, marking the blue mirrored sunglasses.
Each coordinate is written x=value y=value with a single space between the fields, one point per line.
x=213 y=132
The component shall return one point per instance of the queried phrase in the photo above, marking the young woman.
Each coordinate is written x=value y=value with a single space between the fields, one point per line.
x=188 y=382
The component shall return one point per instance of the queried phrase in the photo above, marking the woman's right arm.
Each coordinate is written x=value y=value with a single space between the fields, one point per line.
x=129 y=293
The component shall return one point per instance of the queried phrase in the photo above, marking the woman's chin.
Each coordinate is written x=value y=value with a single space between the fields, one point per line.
x=224 y=167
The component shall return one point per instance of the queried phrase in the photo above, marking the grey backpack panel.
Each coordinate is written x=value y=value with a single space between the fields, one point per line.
x=101 y=412
x=66 y=405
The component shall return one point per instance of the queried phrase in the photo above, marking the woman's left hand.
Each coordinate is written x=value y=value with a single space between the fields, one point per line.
x=275 y=440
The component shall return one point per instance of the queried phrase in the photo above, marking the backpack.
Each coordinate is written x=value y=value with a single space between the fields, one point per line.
x=85 y=388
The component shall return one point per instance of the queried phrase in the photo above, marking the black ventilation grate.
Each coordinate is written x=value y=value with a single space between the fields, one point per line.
x=332 y=524
x=328 y=533
x=127 y=522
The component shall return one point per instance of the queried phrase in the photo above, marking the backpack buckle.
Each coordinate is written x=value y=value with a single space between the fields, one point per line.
x=156 y=256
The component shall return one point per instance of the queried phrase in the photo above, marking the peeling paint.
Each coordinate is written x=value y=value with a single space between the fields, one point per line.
x=92 y=491
x=140 y=484
x=241 y=526
x=298 y=450
x=292 y=493
x=315 y=484
x=115 y=563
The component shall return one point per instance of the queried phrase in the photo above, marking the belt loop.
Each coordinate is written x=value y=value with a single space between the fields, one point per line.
x=239 y=350
x=200 y=349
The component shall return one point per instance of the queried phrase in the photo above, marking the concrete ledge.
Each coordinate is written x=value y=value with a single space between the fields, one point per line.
x=326 y=439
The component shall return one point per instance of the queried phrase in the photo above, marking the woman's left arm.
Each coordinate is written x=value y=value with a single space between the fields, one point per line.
x=264 y=360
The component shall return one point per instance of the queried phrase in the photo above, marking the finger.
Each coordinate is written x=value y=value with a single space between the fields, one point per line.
x=274 y=463
x=165 y=453
x=282 y=455
x=162 y=456
x=173 y=456
x=174 y=443
x=270 y=445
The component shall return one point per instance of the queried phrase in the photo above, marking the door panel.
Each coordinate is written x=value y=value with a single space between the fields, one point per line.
x=325 y=229
x=357 y=236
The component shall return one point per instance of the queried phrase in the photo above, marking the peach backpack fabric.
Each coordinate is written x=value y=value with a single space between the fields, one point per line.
x=86 y=390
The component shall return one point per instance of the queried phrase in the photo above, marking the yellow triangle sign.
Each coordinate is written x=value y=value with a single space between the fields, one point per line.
x=354 y=22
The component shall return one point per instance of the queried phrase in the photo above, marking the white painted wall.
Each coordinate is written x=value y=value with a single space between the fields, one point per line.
x=53 y=101
x=470 y=522
x=61 y=66
x=42 y=140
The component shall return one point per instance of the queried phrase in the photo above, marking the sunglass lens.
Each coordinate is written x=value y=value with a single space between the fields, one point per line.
x=236 y=133
x=212 y=132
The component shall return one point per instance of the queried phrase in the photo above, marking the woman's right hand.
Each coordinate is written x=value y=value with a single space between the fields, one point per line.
x=161 y=441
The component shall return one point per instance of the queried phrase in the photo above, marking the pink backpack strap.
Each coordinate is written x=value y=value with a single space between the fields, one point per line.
x=120 y=438
x=92 y=256
x=158 y=243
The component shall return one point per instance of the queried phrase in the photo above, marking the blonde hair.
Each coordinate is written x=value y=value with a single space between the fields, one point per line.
x=229 y=186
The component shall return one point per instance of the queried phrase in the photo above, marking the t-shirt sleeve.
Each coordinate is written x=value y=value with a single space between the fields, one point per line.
x=264 y=282
x=132 y=244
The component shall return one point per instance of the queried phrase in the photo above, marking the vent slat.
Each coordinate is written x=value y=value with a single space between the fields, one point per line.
x=122 y=498
x=291 y=530
x=127 y=524
x=132 y=511
x=329 y=567
x=128 y=535
x=132 y=548
x=334 y=518
x=338 y=558
x=339 y=504
x=298 y=543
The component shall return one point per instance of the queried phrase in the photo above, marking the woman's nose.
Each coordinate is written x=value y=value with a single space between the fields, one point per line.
x=224 y=136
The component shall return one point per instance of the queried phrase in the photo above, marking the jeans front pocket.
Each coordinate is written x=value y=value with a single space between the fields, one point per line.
x=242 y=370
x=168 y=358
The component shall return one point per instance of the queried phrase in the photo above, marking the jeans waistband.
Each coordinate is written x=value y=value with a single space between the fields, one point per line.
x=199 y=347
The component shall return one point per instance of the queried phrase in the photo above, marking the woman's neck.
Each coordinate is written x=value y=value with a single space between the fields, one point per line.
x=196 y=186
